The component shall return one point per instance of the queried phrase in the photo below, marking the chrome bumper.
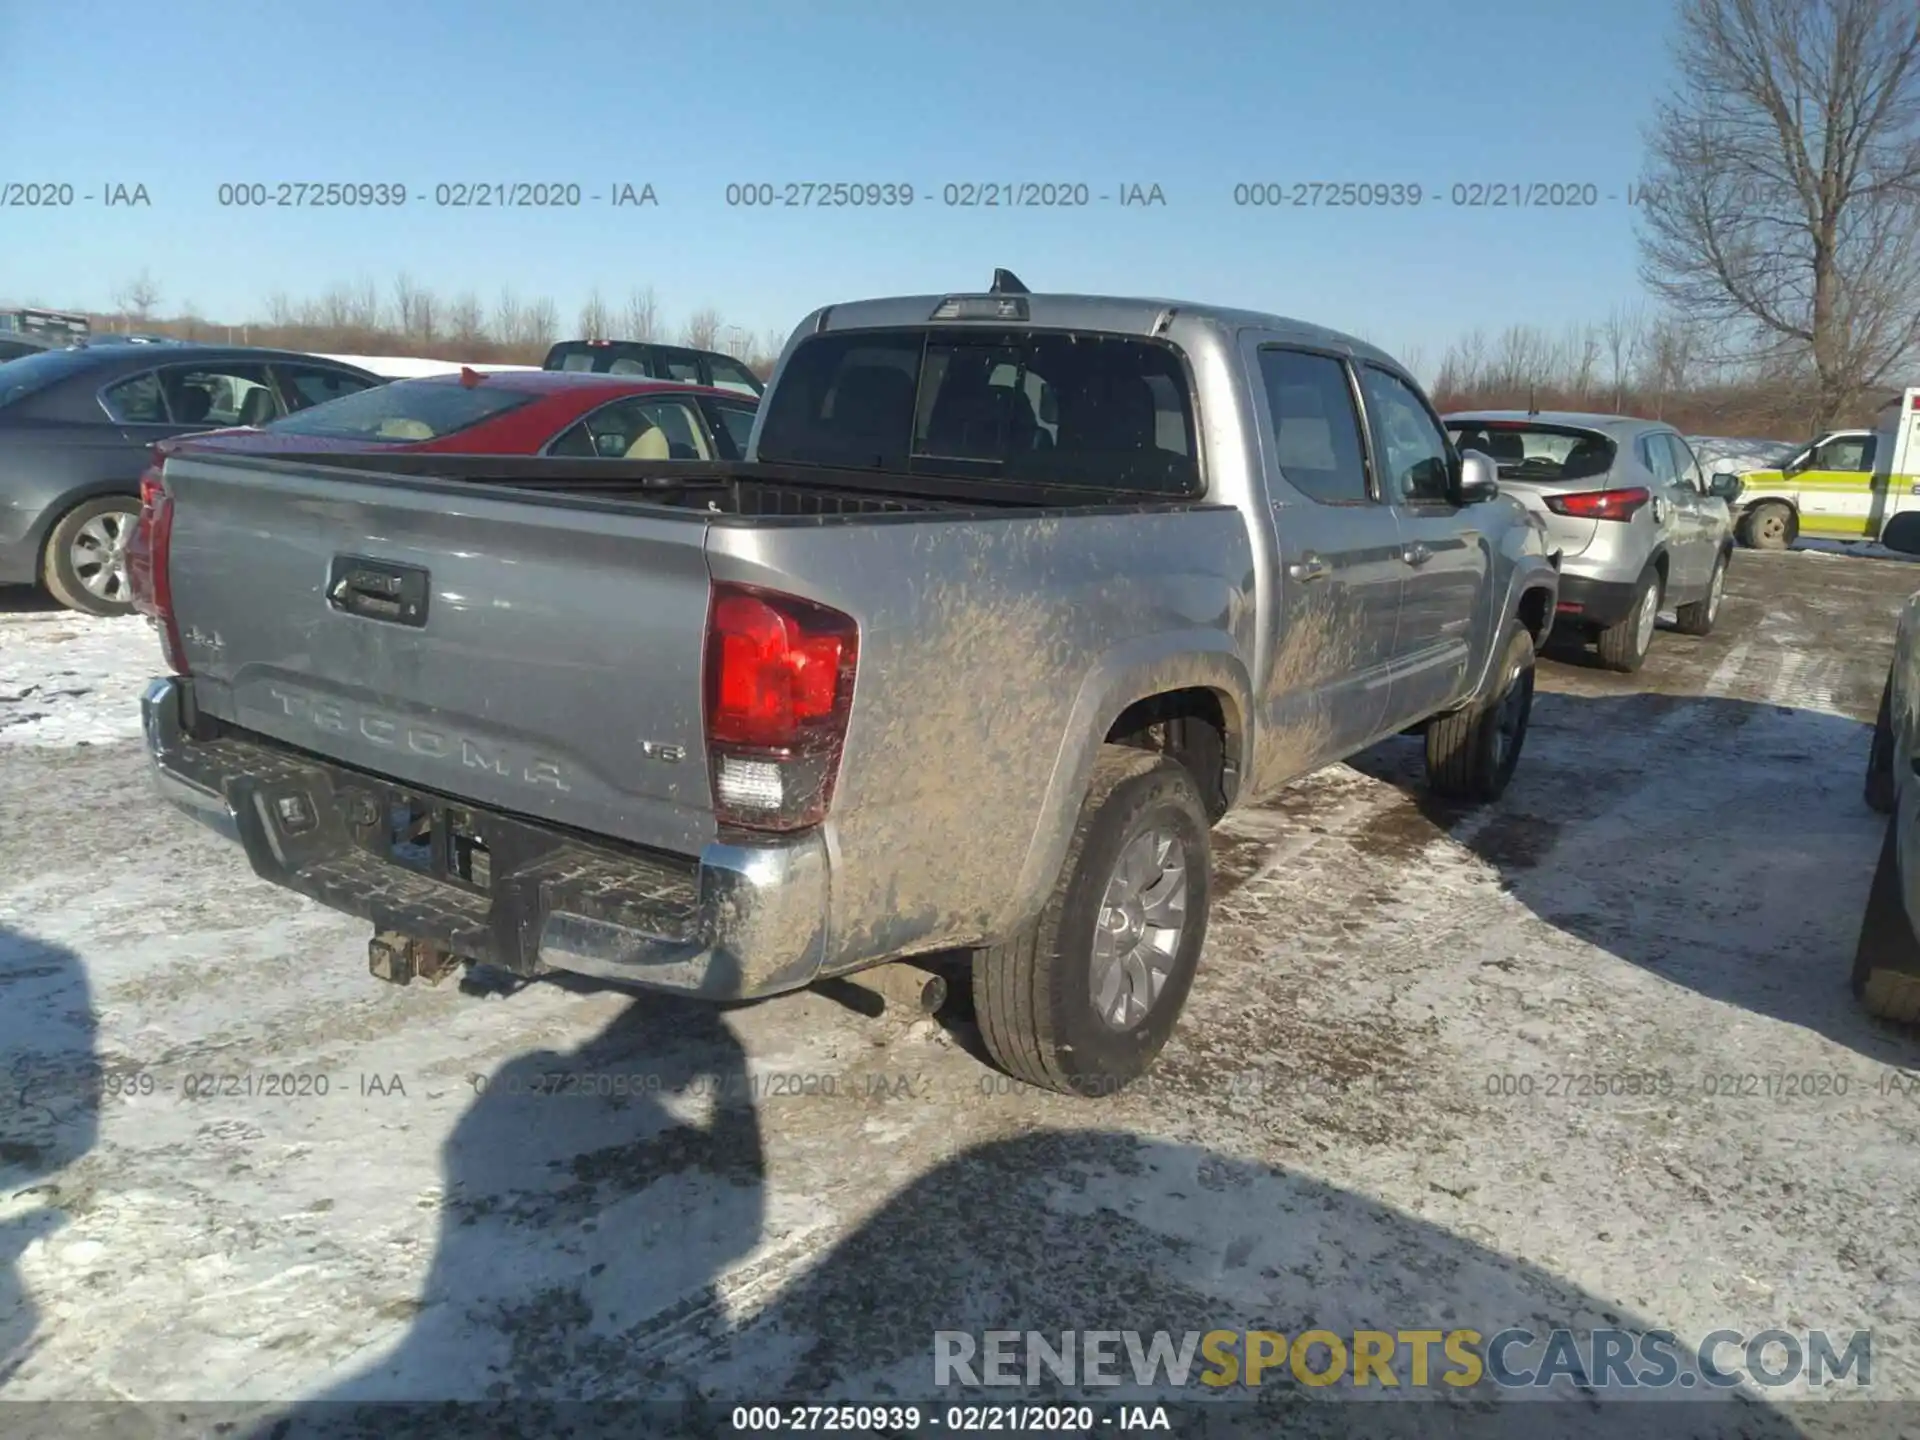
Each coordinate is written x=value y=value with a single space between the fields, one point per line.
x=740 y=921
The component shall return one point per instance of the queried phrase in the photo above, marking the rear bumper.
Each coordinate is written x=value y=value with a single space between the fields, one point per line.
x=1596 y=602
x=738 y=922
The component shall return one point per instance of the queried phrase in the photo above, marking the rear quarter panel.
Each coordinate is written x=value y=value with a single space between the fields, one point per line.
x=48 y=467
x=995 y=654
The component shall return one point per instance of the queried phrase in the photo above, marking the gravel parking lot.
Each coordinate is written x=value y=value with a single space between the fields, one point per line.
x=1362 y=1121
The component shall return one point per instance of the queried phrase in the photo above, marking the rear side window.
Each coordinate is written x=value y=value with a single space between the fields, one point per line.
x=407 y=411
x=1316 y=430
x=1655 y=455
x=136 y=400
x=732 y=375
x=307 y=385
x=1088 y=411
x=1536 y=452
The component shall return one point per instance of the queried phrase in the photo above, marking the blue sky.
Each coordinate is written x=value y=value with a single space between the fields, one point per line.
x=183 y=96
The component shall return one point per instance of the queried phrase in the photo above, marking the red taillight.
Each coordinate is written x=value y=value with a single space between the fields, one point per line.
x=779 y=689
x=147 y=565
x=1601 y=504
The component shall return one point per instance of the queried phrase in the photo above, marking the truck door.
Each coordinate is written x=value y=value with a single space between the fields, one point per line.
x=1444 y=558
x=1338 y=603
x=1837 y=494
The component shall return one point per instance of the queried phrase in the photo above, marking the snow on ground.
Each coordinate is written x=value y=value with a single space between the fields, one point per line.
x=1372 y=1114
x=70 y=679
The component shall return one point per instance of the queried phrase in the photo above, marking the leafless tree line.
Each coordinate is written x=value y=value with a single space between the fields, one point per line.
x=1639 y=360
x=410 y=318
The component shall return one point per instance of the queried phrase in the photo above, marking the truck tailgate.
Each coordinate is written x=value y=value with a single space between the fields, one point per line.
x=542 y=657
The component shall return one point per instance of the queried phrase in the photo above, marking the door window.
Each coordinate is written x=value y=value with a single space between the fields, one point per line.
x=1316 y=429
x=1845 y=453
x=641 y=428
x=1408 y=444
x=217 y=395
x=1687 y=465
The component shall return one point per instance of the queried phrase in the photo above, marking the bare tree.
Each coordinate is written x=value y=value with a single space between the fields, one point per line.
x=466 y=323
x=1582 y=350
x=1784 y=183
x=596 y=323
x=509 y=319
x=702 y=328
x=643 y=314
x=138 y=298
x=540 y=328
x=1622 y=335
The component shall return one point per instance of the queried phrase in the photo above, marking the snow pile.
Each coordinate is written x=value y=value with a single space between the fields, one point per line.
x=69 y=679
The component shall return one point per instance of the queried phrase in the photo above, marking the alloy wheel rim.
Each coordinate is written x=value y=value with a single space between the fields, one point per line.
x=1649 y=616
x=1136 y=938
x=98 y=555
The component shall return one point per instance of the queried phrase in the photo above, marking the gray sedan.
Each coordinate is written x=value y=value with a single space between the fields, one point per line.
x=76 y=427
x=1886 y=962
x=1639 y=527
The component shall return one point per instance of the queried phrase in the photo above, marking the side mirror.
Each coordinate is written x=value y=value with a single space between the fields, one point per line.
x=1726 y=486
x=1479 y=478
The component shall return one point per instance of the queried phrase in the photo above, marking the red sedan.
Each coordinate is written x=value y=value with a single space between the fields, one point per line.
x=511 y=412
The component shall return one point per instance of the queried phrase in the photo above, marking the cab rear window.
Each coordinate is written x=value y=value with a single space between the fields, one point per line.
x=404 y=412
x=1099 y=412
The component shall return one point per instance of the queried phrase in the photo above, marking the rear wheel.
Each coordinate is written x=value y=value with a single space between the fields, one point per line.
x=1771 y=525
x=1879 y=786
x=1698 y=618
x=1084 y=999
x=1624 y=646
x=1471 y=754
x=85 y=564
x=1886 y=962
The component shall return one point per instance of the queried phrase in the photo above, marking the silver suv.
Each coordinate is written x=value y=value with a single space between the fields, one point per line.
x=1639 y=527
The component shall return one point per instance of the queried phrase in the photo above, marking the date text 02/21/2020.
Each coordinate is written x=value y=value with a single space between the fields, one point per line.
x=1463 y=195
x=962 y=194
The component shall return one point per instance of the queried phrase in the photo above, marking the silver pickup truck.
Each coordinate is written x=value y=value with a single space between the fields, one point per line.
x=1017 y=595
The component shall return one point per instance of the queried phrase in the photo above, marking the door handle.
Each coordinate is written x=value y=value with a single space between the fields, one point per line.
x=1308 y=567
x=1416 y=554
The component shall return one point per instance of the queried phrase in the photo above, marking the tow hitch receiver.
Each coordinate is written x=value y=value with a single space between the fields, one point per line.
x=402 y=959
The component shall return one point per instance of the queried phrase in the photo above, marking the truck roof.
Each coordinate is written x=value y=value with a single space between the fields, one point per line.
x=1111 y=314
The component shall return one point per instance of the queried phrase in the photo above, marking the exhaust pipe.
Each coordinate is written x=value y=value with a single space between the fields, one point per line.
x=903 y=986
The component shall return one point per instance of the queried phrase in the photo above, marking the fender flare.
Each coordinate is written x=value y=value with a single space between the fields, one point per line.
x=1128 y=672
x=1534 y=573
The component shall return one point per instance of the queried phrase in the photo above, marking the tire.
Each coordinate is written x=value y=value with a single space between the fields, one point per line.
x=1886 y=962
x=99 y=528
x=1698 y=618
x=1471 y=753
x=1879 y=785
x=1034 y=997
x=1624 y=647
x=1771 y=525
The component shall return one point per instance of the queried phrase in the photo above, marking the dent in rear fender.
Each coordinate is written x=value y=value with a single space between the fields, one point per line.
x=1150 y=665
